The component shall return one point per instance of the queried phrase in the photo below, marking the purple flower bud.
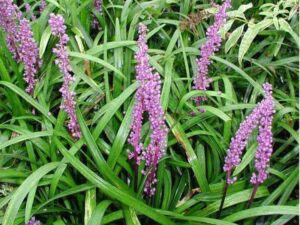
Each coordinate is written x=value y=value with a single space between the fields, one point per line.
x=59 y=29
x=32 y=221
x=98 y=7
x=43 y=5
x=262 y=115
x=147 y=100
x=212 y=45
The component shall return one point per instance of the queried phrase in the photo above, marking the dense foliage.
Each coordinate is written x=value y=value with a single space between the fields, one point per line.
x=66 y=163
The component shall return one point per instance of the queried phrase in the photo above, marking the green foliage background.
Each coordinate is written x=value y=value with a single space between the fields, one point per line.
x=45 y=173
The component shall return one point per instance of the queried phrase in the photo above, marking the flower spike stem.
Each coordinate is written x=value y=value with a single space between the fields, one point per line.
x=223 y=196
x=252 y=195
x=135 y=180
x=223 y=200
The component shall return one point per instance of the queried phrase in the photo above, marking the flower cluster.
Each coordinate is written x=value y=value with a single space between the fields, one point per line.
x=29 y=54
x=264 y=139
x=147 y=101
x=20 y=41
x=212 y=45
x=262 y=115
x=58 y=29
x=33 y=221
x=98 y=7
x=9 y=19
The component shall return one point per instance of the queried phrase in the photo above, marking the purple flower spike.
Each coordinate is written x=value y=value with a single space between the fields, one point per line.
x=28 y=11
x=9 y=19
x=264 y=139
x=29 y=54
x=59 y=29
x=43 y=5
x=239 y=142
x=32 y=221
x=147 y=100
x=98 y=7
x=212 y=45
x=262 y=115
x=20 y=41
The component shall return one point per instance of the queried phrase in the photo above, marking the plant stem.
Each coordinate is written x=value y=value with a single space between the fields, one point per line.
x=224 y=195
x=252 y=196
x=136 y=170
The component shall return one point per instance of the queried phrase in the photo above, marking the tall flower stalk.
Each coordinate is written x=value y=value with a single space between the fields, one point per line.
x=212 y=45
x=58 y=29
x=265 y=141
x=262 y=116
x=20 y=41
x=147 y=100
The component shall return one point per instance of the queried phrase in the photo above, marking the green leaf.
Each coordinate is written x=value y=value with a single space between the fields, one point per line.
x=239 y=13
x=59 y=222
x=103 y=168
x=196 y=93
x=25 y=137
x=255 y=84
x=233 y=38
x=19 y=196
x=130 y=216
x=90 y=204
x=287 y=28
x=247 y=40
x=98 y=213
x=44 y=41
x=217 y=112
x=54 y=2
x=249 y=155
x=121 y=138
x=111 y=190
x=108 y=111
x=179 y=134
x=29 y=99
x=100 y=61
x=233 y=199
x=68 y=192
x=165 y=94
x=262 y=211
